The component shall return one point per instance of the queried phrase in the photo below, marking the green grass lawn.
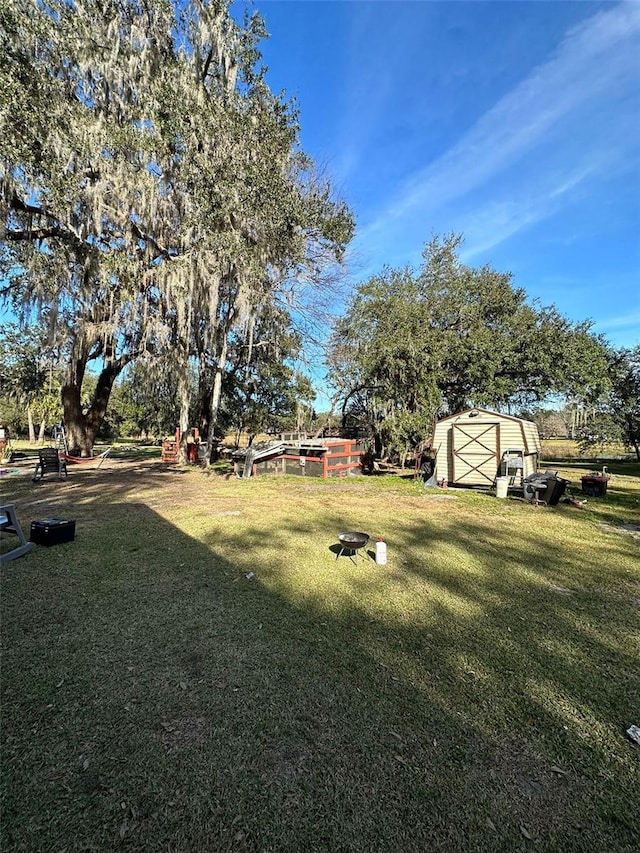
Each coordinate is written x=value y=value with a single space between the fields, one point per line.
x=566 y=448
x=471 y=695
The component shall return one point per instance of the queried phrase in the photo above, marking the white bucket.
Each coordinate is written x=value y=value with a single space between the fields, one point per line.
x=502 y=486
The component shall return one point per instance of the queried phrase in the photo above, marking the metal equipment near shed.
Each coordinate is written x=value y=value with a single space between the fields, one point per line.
x=171 y=446
x=545 y=487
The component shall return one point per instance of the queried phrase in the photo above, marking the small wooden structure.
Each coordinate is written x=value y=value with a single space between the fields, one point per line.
x=171 y=448
x=474 y=447
x=320 y=457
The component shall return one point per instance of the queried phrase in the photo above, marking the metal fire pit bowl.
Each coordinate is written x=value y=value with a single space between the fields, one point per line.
x=352 y=542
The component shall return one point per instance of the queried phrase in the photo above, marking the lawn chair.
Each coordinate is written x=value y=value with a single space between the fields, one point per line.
x=9 y=524
x=49 y=460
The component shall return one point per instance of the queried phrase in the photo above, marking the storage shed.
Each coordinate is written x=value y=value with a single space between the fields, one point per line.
x=474 y=447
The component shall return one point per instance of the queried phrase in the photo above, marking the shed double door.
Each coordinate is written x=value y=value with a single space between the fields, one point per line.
x=476 y=453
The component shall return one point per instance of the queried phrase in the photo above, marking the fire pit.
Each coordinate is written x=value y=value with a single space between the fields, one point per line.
x=352 y=542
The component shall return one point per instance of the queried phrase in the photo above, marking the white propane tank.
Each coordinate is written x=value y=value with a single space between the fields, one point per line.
x=381 y=552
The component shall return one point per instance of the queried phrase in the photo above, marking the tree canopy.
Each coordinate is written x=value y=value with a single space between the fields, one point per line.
x=616 y=414
x=29 y=378
x=448 y=336
x=154 y=194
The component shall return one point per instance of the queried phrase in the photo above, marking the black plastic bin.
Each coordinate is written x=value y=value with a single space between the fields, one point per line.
x=555 y=486
x=52 y=531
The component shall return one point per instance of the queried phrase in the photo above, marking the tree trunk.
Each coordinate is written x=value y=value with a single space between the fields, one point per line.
x=43 y=426
x=79 y=441
x=32 y=430
x=81 y=429
x=215 y=398
x=204 y=401
x=184 y=398
x=183 y=342
x=320 y=427
x=378 y=447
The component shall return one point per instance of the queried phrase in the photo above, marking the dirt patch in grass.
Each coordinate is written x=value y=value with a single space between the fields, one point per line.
x=627 y=529
x=182 y=732
x=537 y=796
x=284 y=763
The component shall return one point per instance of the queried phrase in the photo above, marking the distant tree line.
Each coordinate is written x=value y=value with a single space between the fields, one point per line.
x=265 y=396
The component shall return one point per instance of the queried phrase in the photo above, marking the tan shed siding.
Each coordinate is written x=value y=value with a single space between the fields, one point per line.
x=533 y=438
x=512 y=434
x=441 y=446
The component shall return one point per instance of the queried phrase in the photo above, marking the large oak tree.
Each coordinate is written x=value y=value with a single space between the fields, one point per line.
x=448 y=336
x=154 y=197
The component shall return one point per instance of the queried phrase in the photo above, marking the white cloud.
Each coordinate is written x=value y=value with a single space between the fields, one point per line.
x=492 y=223
x=629 y=321
x=597 y=59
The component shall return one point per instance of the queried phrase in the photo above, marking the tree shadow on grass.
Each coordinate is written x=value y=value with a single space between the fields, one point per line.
x=158 y=699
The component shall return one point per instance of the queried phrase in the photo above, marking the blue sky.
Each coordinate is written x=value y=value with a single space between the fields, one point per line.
x=515 y=123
